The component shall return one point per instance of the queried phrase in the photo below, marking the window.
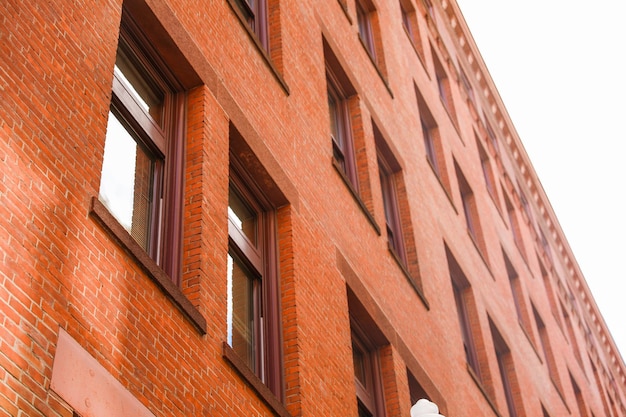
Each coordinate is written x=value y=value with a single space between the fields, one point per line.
x=547 y=283
x=430 y=10
x=571 y=334
x=467 y=87
x=255 y=14
x=142 y=170
x=491 y=136
x=525 y=205
x=507 y=370
x=400 y=238
x=367 y=377
x=368 y=358
x=470 y=211
x=515 y=226
x=429 y=145
x=369 y=34
x=580 y=401
x=445 y=88
x=545 y=245
x=485 y=164
x=347 y=137
x=466 y=332
x=340 y=130
x=433 y=145
x=416 y=391
x=516 y=288
x=253 y=315
x=365 y=28
x=406 y=19
x=521 y=307
x=547 y=350
x=469 y=206
x=600 y=387
x=390 y=205
x=462 y=295
x=410 y=24
x=343 y=111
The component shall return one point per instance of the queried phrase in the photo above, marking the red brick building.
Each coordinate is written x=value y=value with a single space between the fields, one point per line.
x=277 y=208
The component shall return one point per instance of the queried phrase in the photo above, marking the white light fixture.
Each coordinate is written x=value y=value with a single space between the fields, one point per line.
x=425 y=408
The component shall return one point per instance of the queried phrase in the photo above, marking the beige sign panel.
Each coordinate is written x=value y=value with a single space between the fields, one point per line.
x=87 y=387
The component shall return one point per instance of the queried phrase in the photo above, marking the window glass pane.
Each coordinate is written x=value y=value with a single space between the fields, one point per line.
x=242 y=215
x=127 y=181
x=240 y=311
x=362 y=23
x=247 y=7
x=142 y=88
x=385 y=185
x=364 y=412
x=358 y=358
x=430 y=146
x=333 y=111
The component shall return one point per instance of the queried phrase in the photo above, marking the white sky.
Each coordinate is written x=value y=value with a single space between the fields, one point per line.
x=560 y=68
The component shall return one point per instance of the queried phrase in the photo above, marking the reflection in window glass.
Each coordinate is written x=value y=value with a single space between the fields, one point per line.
x=242 y=215
x=144 y=91
x=240 y=311
x=126 y=182
x=358 y=358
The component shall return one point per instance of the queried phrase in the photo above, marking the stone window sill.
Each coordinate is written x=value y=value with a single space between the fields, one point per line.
x=115 y=230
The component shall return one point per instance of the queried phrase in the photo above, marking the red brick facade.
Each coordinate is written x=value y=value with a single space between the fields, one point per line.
x=339 y=321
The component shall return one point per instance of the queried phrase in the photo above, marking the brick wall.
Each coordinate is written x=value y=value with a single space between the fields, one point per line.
x=63 y=267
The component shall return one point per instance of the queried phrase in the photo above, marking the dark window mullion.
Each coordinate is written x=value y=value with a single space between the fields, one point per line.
x=247 y=249
x=131 y=111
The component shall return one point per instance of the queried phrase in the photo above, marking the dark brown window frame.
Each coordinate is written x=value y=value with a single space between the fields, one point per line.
x=268 y=44
x=429 y=146
x=256 y=16
x=485 y=164
x=430 y=10
x=444 y=86
x=416 y=391
x=469 y=207
x=395 y=236
x=411 y=26
x=406 y=19
x=545 y=245
x=371 y=397
x=491 y=136
x=343 y=145
x=433 y=144
x=471 y=214
x=268 y=349
x=471 y=357
x=546 y=349
x=462 y=293
x=467 y=87
x=472 y=338
x=400 y=237
x=516 y=290
x=515 y=225
x=506 y=369
x=580 y=401
x=366 y=31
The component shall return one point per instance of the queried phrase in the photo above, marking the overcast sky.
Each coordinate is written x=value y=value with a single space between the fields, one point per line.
x=560 y=68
